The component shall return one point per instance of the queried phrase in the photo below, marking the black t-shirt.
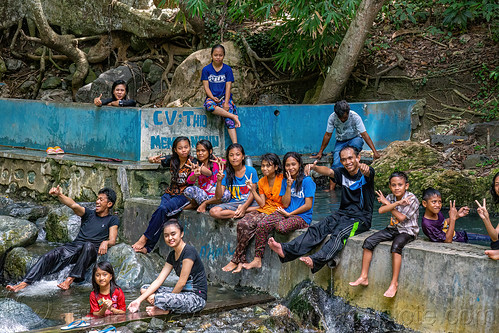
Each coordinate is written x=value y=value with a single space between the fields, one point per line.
x=95 y=229
x=197 y=276
x=357 y=193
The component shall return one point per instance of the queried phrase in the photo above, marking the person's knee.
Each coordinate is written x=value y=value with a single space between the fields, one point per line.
x=397 y=247
x=215 y=212
x=368 y=245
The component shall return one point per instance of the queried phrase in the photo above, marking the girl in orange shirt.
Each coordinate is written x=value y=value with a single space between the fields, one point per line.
x=269 y=201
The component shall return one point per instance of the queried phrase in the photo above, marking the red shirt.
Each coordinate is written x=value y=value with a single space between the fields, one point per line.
x=118 y=301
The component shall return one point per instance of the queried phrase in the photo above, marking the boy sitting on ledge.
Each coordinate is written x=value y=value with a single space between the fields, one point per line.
x=403 y=228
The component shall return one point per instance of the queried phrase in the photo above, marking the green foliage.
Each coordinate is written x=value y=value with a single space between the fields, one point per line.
x=487 y=102
x=448 y=14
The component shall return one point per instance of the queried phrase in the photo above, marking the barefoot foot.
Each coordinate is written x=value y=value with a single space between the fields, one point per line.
x=201 y=208
x=150 y=299
x=276 y=247
x=17 y=287
x=140 y=243
x=141 y=250
x=239 y=268
x=256 y=263
x=155 y=311
x=237 y=122
x=66 y=284
x=392 y=290
x=493 y=254
x=229 y=267
x=308 y=261
x=359 y=282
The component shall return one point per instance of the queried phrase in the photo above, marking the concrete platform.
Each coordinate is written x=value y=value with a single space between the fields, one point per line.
x=442 y=287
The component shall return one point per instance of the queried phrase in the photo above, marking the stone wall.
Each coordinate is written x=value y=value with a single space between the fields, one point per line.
x=442 y=287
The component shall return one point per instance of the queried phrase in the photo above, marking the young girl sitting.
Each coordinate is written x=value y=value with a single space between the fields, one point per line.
x=189 y=294
x=204 y=195
x=174 y=200
x=217 y=79
x=484 y=215
x=234 y=179
x=298 y=194
x=106 y=298
x=268 y=198
x=119 y=91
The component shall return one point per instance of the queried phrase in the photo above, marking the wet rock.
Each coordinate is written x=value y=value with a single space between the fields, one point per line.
x=124 y=329
x=13 y=65
x=186 y=83
x=63 y=224
x=472 y=161
x=16 y=232
x=27 y=211
x=156 y=324
x=16 y=317
x=133 y=269
x=19 y=260
x=280 y=310
x=51 y=83
x=131 y=74
x=155 y=73
x=138 y=326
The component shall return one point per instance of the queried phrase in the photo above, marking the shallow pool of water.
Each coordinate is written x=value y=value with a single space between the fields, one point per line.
x=327 y=202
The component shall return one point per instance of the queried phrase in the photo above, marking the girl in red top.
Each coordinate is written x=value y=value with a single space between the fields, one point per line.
x=106 y=298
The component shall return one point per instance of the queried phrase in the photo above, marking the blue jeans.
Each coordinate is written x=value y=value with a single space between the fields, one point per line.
x=356 y=142
x=170 y=205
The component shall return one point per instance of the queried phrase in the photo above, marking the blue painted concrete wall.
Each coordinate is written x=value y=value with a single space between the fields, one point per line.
x=118 y=132
x=301 y=128
x=77 y=128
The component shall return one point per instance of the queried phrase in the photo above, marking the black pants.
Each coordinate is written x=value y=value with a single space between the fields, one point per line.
x=399 y=240
x=338 y=225
x=83 y=255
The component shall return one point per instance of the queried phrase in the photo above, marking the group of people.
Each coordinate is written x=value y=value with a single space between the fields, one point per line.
x=281 y=201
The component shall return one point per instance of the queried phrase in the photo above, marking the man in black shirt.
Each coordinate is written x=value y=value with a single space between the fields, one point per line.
x=98 y=232
x=353 y=217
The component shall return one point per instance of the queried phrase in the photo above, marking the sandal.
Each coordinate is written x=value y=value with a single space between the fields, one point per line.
x=58 y=150
x=75 y=324
x=50 y=151
x=105 y=330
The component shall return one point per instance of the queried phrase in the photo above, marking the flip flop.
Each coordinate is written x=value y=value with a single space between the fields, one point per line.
x=75 y=324
x=105 y=330
x=51 y=151
x=58 y=150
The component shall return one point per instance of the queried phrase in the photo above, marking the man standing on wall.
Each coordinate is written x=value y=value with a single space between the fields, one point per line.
x=350 y=131
x=98 y=232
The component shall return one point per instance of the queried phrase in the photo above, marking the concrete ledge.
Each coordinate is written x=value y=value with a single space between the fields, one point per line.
x=442 y=287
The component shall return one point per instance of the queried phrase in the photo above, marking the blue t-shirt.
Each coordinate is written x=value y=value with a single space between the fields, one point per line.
x=298 y=199
x=217 y=80
x=239 y=191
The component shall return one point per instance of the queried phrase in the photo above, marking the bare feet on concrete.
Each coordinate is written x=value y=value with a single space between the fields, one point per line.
x=239 y=268
x=361 y=281
x=308 y=261
x=256 y=263
x=229 y=267
x=392 y=290
x=276 y=247
x=493 y=254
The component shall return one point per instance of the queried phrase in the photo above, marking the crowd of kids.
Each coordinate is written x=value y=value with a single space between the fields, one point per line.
x=281 y=201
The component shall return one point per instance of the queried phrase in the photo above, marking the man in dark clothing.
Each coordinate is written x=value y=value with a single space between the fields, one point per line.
x=353 y=217
x=98 y=232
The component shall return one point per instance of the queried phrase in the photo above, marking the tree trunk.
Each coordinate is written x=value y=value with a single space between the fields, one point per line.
x=64 y=44
x=349 y=50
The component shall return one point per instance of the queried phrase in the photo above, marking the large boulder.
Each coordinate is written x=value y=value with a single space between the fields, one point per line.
x=187 y=86
x=22 y=210
x=63 y=224
x=421 y=163
x=19 y=260
x=131 y=74
x=133 y=269
x=16 y=232
x=17 y=317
